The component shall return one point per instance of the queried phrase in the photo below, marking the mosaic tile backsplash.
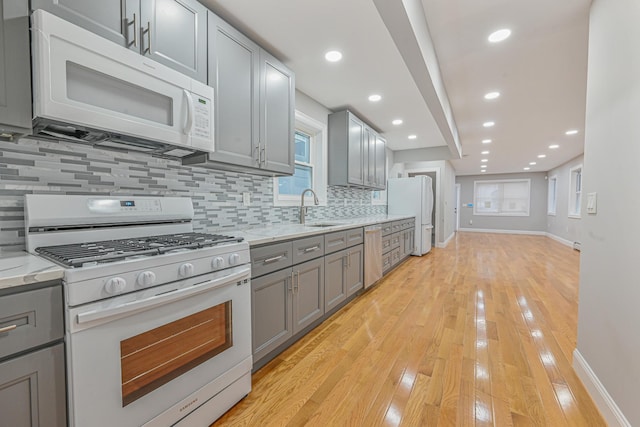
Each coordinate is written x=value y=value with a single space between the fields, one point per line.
x=47 y=167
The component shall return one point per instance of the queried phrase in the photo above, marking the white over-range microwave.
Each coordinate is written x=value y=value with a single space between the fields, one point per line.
x=89 y=89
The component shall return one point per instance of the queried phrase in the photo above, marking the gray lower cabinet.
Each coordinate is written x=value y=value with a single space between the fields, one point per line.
x=15 y=83
x=32 y=365
x=32 y=389
x=344 y=275
x=271 y=309
x=285 y=302
x=172 y=32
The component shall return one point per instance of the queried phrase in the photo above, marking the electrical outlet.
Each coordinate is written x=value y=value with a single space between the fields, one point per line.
x=246 y=199
x=470 y=222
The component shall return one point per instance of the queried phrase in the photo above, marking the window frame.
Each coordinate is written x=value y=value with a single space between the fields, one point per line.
x=575 y=192
x=318 y=157
x=552 y=203
x=501 y=181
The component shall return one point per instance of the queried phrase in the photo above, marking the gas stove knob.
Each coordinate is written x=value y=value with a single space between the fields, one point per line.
x=115 y=285
x=234 y=259
x=146 y=278
x=186 y=270
x=217 y=263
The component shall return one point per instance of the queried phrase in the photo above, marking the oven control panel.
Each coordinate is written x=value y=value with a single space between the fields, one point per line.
x=106 y=206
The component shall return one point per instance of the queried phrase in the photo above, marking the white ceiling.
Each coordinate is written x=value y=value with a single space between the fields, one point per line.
x=540 y=71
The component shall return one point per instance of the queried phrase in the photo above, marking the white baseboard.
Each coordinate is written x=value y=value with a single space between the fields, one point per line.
x=491 y=230
x=560 y=240
x=446 y=242
x=603 y=400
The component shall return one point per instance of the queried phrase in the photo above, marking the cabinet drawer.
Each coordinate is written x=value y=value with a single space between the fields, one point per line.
x=395 y=257
x=386 y=243
x=397 y=226
x=408 y=223
x=307 y=249
x=386 y=262
x=30 y=319
x=355 y=237
x=395 y=240
x=265 y=259
x=387 y=228
x=335 y=241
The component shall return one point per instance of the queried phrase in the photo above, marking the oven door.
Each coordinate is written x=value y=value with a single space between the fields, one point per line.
x=133 y=357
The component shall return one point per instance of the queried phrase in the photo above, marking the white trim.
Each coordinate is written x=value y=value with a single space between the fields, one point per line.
x=446 y=242
x=316 y=129
x=560 y=240
x=490 y=230
x=601 y=397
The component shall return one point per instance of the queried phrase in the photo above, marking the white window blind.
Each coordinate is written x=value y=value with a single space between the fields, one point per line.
x=575 y=191
x=502 y=197
x=552 y=199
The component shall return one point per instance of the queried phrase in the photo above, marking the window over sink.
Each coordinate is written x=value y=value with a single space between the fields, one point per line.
x=310 y=165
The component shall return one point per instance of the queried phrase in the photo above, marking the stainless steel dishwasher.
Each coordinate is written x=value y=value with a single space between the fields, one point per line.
x=372 y=254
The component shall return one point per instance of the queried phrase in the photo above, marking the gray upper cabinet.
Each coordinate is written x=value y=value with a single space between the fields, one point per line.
x=277 y=114
x=357 y=155
x=172 y=32
x=15 y=83
x=234 y=75
x=254 y=105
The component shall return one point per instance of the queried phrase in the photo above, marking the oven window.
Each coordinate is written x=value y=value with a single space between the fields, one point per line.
x=155 y=357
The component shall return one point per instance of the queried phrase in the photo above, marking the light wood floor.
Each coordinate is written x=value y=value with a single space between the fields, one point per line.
x=479 y=333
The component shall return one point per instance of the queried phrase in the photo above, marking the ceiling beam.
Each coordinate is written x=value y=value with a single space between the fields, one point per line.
x=407 y=24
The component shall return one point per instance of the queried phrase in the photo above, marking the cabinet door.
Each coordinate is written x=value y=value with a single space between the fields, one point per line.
x=32 y=389
x=271 y=307
x=15 y=80
x=115 y=20
x=308 y=293
x=355 y=173
x=380 y=163
x=277 y=115
x=354 y=274
x=174 y=33
x=233 y=73
x=334 y=283
x=370 y=159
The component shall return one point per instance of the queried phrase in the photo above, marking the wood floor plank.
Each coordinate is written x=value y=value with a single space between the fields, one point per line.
x=479 y=333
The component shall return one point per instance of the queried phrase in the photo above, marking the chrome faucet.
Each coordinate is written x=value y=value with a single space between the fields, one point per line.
x=303 y=209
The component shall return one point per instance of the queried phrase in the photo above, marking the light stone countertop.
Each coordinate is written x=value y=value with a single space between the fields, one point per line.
x=282 y=232
x=19 y=268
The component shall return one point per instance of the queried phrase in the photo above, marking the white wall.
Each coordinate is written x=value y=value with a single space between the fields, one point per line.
x=609 y=318
x=560 y=225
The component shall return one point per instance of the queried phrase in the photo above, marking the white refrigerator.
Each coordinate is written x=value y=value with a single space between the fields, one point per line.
x=413 y=196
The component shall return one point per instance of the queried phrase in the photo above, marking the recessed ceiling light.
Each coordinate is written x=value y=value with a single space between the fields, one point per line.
x=571 y=132
x=397 y=122
x=500 y=35
x=542 y=156
x=492 y=95
x=482 y=171
x=483 y=166
x=526 y=169
x=532 y=163
x=333 y=56
x=484 y=160
x=412 y=136
x=488 y=124
x=484 y=152
x=486 y=141
x=554 y=146
x=375 y=98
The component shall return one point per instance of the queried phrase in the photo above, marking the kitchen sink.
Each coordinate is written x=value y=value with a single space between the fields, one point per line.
x=321 y=225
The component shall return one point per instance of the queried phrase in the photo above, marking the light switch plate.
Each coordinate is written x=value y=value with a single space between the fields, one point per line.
x=592 y=203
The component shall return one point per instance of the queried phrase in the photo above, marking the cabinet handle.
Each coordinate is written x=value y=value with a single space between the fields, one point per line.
x=148 y=32
x=296 y=286
x=290 y=280
x=274 y=259
x=263 y=158
x=135 y=31
x=311 y=249
x=8 y=328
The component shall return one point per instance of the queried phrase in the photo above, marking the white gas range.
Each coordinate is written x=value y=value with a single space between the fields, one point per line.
x=158 y=318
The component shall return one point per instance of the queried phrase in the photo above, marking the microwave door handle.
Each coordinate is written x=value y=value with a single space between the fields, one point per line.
x=190 y=112
x=161 y=299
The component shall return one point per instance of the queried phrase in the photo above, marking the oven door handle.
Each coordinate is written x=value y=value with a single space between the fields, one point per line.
x=161 y=299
